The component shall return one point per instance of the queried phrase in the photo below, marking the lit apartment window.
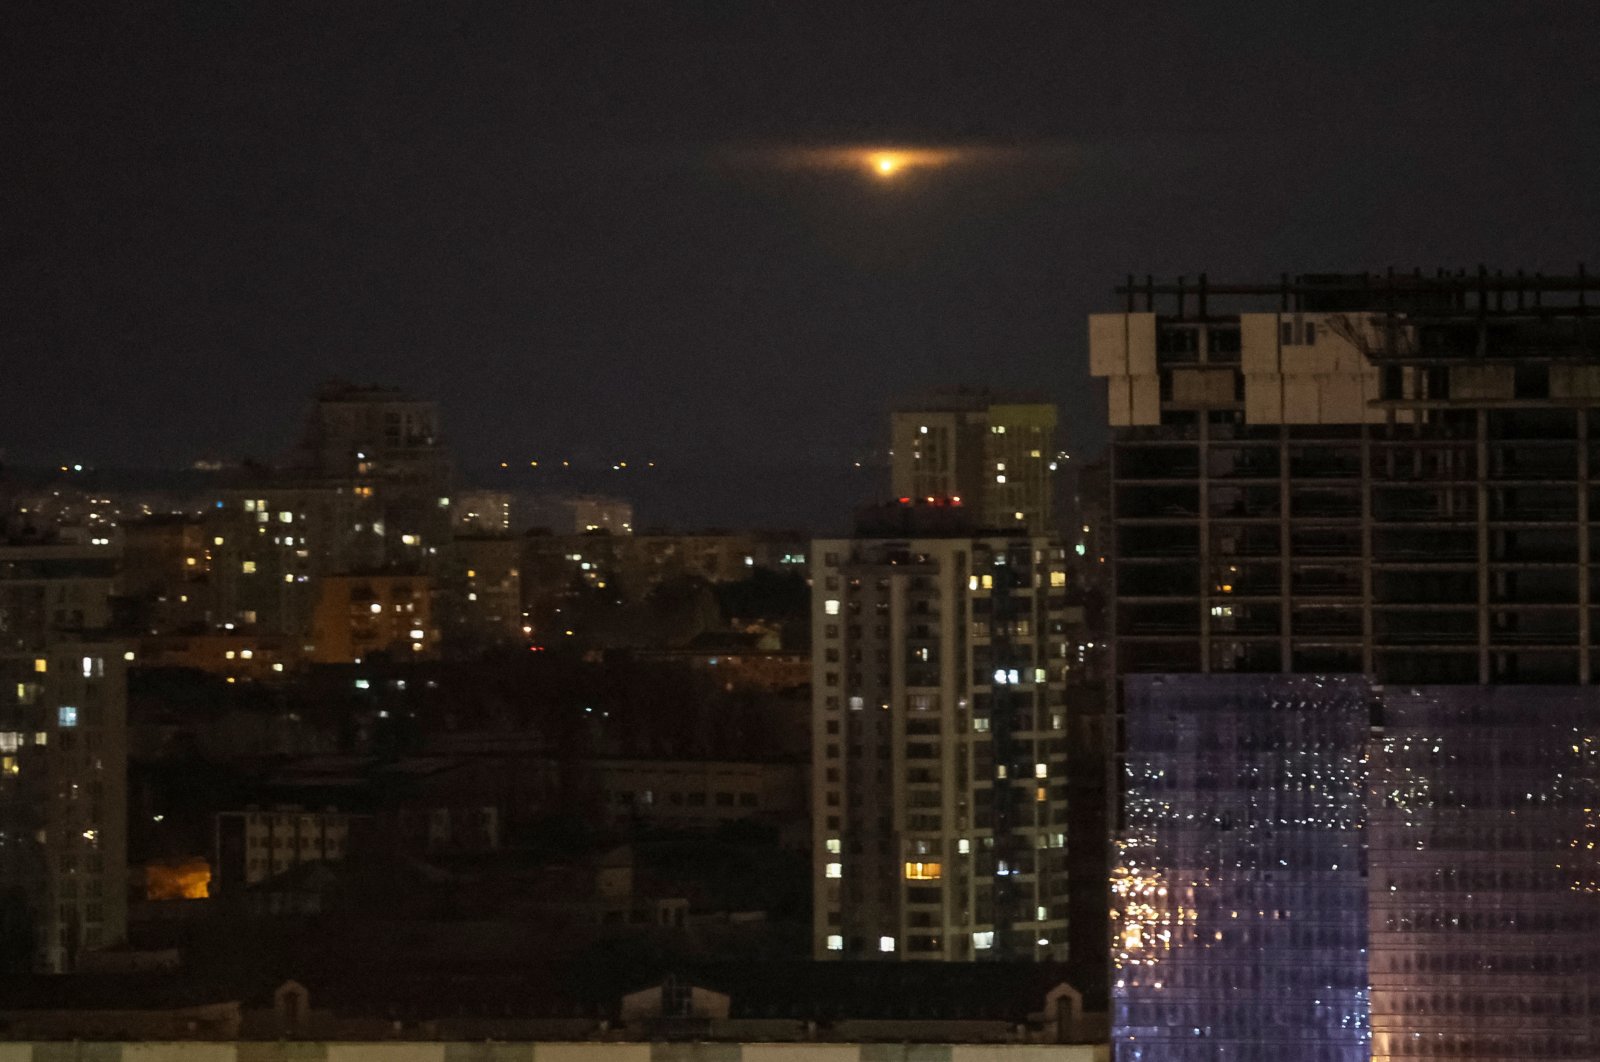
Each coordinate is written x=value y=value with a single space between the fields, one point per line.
x=833 y=870
x=832 y=845
x=983 y=940
x=963 y=846
x=885 y=944
x=1058 y=578
x=67 y=716
x=41 y=665
x=923 y=872
x=248 y=567
x=835 y=942
x=831 y=606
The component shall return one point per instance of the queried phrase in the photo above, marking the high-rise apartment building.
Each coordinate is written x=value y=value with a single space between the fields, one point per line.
x=1369 y=478
x=939 y=788
x=63 y=757
x=991 y=456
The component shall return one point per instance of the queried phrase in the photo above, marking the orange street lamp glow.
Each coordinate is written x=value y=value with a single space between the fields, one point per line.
x=885 y=165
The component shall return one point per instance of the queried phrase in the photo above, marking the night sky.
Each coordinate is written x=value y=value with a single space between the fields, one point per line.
x=582 y=228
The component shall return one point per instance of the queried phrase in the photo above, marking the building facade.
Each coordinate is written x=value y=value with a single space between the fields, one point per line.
x=1386 y=476
x=939 y=788
x=1389 y=477
x=1484 y=834
x=63 y=757
x=1240 y=888
x=991 y=456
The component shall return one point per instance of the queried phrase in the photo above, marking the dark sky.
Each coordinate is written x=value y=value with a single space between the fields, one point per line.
x=560 y=219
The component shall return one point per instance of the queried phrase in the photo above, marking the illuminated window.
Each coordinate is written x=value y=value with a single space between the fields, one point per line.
x=416 y=635
x=94 y=667
x=832 y=845
x=886 y=944
x=1039 y=795
x=835 y=942
x=1040 y=675
x=984 y=940
x=248 y=567
x=923 y=872
x=66 y=716
x=964 y=846
x=190 y=561
x=277 y=667
x=9 y=741
x=229 y=654
x=1058 y=578
x=999 y=479
x=833 y=870
x=41 y=665
x=988 y=582
x=1041 y=770
x=831 y=606
x=286 y=518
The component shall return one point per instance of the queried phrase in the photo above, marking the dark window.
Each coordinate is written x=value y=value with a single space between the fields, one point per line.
x=1533 y=381
x=1393 y=383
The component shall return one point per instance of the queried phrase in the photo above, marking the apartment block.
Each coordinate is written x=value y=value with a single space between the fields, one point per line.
x=991 y=455
x=63 y=757
x=939 y=753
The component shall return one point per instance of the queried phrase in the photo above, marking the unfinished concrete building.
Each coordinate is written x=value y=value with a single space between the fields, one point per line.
x=1378 y=474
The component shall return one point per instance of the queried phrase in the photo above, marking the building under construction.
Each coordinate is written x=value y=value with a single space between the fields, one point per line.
x=1378 y=474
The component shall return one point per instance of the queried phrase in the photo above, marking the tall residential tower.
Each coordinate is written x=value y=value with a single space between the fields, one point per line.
x=939 y=742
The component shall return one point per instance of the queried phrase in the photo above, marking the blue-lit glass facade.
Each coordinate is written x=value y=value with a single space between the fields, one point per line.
x=1240 y=892
x=1483 y=837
